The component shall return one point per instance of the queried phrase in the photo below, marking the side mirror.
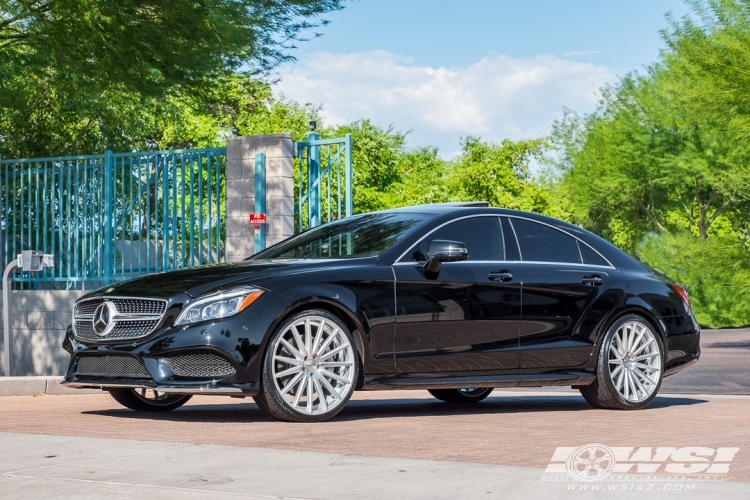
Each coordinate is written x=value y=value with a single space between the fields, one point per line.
x=440 y=251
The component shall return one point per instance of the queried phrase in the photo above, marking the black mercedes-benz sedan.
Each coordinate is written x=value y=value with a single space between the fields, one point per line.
x=456 y=299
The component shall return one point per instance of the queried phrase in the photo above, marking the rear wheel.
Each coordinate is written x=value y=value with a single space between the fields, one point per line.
x=148 y=399
x=466 y=395
x=630 y=366
x=310 y=368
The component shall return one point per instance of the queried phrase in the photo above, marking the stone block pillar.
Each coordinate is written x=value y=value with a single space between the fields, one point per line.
x=240 y=175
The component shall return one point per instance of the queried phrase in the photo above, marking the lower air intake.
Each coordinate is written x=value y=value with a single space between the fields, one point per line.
x=200 y=365
x=111 y=366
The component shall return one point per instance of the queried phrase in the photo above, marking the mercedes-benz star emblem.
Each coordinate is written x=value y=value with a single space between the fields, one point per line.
x=103 y=317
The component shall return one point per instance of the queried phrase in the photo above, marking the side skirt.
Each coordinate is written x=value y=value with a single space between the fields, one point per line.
x=441 y=381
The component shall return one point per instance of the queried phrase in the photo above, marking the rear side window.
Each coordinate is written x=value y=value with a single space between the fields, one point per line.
x=482 y=236
x=542 y=243
x=591 y=257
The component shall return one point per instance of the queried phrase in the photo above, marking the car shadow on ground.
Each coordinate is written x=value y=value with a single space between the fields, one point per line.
x=390 y=408
x=742 y=344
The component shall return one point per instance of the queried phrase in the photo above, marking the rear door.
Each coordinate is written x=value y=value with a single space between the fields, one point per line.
x=564 y=295
x=467 y=319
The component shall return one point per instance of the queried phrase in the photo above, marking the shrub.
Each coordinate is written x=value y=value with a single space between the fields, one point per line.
x=716 y=273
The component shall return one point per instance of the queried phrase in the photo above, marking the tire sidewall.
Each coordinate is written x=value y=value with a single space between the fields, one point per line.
x=277 y=404
x=603 y=373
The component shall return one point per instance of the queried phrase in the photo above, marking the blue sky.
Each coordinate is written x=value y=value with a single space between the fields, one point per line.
x=444 y=69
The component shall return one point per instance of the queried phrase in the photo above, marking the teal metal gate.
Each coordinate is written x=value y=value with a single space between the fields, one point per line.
x=322 y=194
x=113 y=216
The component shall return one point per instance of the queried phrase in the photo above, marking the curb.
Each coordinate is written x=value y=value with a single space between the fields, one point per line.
x=36 y=386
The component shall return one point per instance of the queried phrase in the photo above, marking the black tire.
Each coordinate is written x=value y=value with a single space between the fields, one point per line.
x=271 y=401
x=129 y=398
x=468 y=395
x=603 y=393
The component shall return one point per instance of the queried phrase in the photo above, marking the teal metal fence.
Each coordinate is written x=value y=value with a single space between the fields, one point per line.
x=324 y=180
x=113 y=216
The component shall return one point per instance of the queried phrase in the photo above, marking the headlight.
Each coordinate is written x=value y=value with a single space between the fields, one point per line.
x=219 y=305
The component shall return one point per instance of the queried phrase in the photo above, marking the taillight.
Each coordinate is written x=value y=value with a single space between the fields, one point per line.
x=682 y=293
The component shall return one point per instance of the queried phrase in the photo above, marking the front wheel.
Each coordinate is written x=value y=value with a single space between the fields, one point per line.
x=630 y=366
x=466 y=395
x=148 y=399
x=310 y=368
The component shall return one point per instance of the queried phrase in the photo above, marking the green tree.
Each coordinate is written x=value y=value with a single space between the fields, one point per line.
x=74 y=122
x=661 y=167
x=376 y=153
x=150 y=46
x=80 y=76
x=500 y=175
x=716 y=272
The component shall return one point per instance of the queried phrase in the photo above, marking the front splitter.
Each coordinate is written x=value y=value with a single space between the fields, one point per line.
x=167 y=389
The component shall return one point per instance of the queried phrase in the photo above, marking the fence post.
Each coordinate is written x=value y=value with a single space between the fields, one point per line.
x=109 y=214
x=260 y=198
x=240 y=200
x=313 y=181
x=349 y=199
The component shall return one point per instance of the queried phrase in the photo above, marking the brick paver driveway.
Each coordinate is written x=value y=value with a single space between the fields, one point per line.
x=512 y=427
x=509 y=428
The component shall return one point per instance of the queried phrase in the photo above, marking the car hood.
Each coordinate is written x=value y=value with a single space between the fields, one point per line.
x=197 y=281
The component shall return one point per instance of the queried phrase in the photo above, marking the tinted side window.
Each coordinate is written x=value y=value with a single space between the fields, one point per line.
x=359 y=236
x=591 y=257
x=544 y=244
x=482 y=236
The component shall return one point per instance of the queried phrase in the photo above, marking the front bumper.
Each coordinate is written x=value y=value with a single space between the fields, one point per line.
x=233 y=343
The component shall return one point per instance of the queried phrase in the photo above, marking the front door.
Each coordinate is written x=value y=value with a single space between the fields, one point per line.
x=466 y=319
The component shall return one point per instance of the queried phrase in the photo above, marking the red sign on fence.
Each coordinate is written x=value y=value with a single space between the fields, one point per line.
x=257 y=218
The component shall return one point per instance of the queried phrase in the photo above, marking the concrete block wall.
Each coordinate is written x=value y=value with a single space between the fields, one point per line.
x=39 y=320
x=240 y=175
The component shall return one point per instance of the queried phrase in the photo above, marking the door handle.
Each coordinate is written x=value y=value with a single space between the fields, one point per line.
x=503 y=275
x=592 y=280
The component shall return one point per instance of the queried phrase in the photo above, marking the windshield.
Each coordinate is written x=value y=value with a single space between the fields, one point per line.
x=359 y=236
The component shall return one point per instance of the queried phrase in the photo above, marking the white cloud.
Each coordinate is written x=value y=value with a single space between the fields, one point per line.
x=497 y=97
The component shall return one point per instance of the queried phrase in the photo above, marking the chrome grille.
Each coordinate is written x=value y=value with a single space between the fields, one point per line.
x=200 y=365
x=111 y=366
x=135 y=318
x=125 y=306
x=122 y=330
x=85 y=329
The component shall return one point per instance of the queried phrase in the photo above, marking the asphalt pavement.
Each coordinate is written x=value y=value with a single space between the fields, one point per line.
x=723 y=368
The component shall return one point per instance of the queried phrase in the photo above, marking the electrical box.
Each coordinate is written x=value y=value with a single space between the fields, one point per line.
x=35 y=260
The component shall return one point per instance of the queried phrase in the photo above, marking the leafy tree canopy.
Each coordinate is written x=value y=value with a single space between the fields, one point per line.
x=661 y=167
x=150 y=46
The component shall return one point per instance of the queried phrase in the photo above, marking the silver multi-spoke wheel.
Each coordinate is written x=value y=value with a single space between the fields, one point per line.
x=313 y=365
x=634 y=361
x=629 y=367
